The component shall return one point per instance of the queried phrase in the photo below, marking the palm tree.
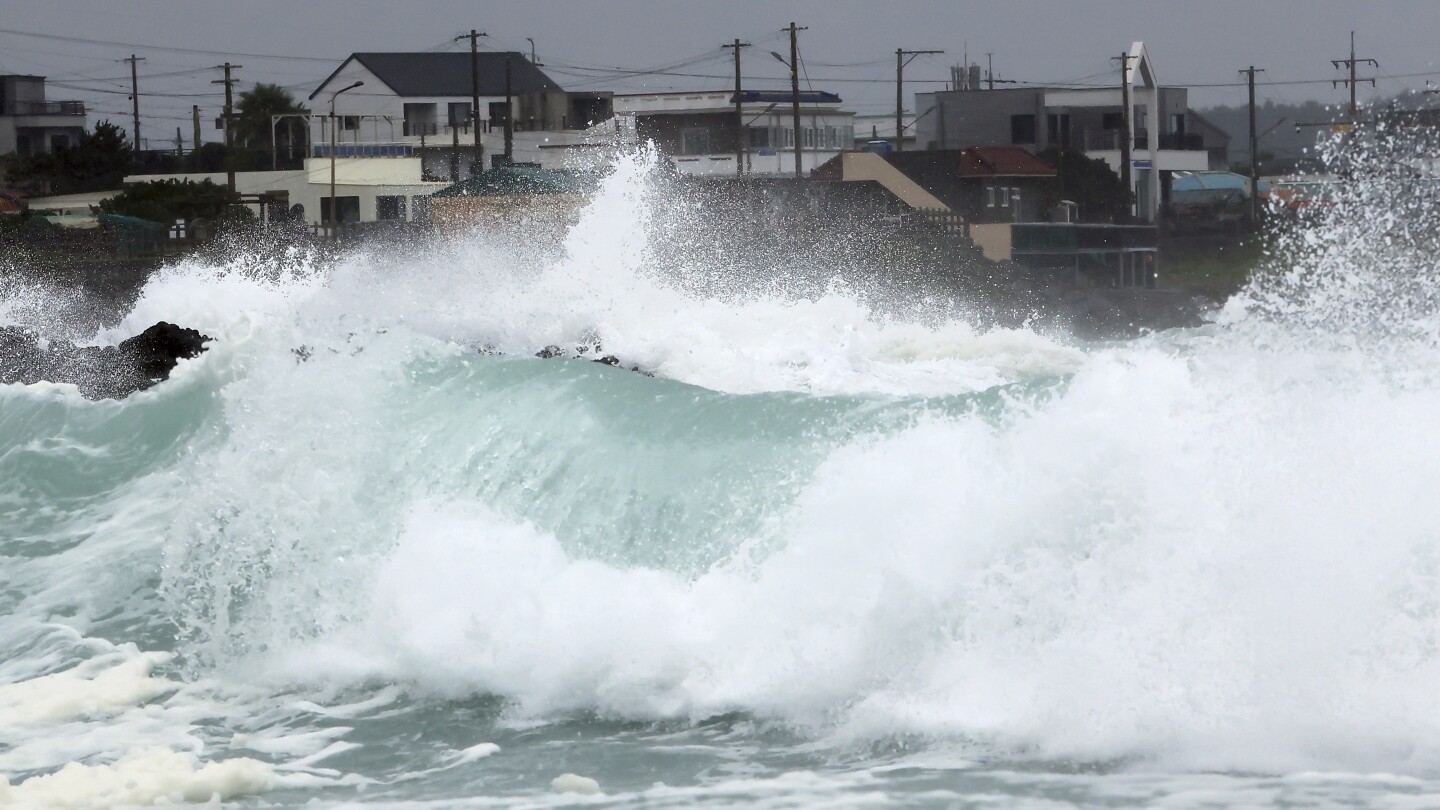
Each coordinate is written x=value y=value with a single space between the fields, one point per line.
x=252 y=119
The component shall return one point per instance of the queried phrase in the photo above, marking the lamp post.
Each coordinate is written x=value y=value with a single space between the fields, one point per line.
x=334 y=201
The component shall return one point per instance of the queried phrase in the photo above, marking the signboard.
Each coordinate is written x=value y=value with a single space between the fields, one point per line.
x=767 y=153
x=1143 y=164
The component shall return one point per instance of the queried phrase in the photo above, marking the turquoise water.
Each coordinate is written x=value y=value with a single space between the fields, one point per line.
x=821 y=557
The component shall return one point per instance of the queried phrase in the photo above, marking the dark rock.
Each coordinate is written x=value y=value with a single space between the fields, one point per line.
x=100 y=372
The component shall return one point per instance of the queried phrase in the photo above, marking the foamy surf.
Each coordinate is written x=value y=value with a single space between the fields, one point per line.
x=838 y=548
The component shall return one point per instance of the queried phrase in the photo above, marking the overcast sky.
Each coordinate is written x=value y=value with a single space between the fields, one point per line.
x=849 y=47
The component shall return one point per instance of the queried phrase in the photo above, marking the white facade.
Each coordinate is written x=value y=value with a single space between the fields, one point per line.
x=688 y=129
x=378 y=188
x=374 y=120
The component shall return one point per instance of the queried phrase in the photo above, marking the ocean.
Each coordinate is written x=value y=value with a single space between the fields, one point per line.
x=842 y=548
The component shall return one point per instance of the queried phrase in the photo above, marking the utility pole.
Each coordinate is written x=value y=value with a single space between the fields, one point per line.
x=795 y=93
x=900 y=63
x=474 y=37
x=195 y=122
x=739 y=112
x=509 y=114
x=135 y=99
x=1254 y=155
x=1352 y=63
x=990 y=69
x=230 y=122
x=1124 y=60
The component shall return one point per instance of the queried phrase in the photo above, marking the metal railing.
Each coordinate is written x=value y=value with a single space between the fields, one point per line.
x=42 y=108
x=418 y=128
x=1103 y=139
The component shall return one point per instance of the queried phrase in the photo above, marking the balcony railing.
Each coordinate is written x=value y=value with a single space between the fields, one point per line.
x=418 y=128
x=42 y=108
x=1185 y=141
x=1109 y=139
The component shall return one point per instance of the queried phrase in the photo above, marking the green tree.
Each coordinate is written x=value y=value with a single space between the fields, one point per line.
x=252 y=119
x=99 y=162
x=168 y=200
x=1090 y=183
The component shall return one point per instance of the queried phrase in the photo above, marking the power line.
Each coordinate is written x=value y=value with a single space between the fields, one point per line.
x=211 y=52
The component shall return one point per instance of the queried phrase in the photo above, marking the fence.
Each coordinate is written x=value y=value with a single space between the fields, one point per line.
x=947 y=222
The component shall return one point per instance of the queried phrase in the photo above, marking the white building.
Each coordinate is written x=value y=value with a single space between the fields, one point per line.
x=368 y=189
x=697 y=131
x=420 y=105
x=30 y=125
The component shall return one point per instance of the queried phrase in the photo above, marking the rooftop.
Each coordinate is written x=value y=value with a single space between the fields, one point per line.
x=447 y=75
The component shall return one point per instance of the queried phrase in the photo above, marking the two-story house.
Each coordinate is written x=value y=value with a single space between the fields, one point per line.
x=1164 y=135
x=29 y=124
x=420 y=104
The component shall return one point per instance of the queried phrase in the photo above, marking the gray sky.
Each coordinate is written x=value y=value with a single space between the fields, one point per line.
x=848 y=49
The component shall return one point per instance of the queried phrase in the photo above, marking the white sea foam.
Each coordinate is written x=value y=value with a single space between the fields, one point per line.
x=148 y=777
x=574 y=783
x=95 y=688
x=1168 y=562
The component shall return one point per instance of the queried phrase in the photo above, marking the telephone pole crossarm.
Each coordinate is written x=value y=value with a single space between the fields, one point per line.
x=739 y=110
x=229 y=118
x=1353 y=81
x=135 y=98
x=900 y=63
x=1125 y=134
x=1254 y=154
x=479 y=150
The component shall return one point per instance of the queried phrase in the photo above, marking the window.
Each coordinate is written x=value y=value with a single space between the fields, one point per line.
x=1177 y=123
x=459 y=112
x=1058 y=129
x=758 y=137
x=1022 y=129
x=349 y=123
x=420 y=206
x=390 y=207
x=695 y=141
x=498 y=113
x=349 y=209
x=1112 y=121
x=789 y=138
x=1004 y=195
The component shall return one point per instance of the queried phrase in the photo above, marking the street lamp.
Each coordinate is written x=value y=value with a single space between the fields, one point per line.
x=334 y=201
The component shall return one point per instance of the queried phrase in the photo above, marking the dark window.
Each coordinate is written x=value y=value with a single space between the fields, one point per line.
x=349 y=122
x=499 y=111
x=349 y=209
x=1022 y=129
x=1112 y=121
x=420 y=206
x=1177 y=123
x=459 y=113
x=759 y=137
x=1058 y=129
x=389 y=207
x=695 y=141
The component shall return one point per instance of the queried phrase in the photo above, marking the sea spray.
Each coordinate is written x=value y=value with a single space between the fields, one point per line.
x=837 y=548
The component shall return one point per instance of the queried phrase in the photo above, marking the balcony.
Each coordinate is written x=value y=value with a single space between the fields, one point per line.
x=1184 y=141
x=43 y=108
x=1097 y=140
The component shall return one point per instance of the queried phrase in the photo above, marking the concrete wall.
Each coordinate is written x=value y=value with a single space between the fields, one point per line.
x=545 y=212
x=993 y=240
x=974 y=118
